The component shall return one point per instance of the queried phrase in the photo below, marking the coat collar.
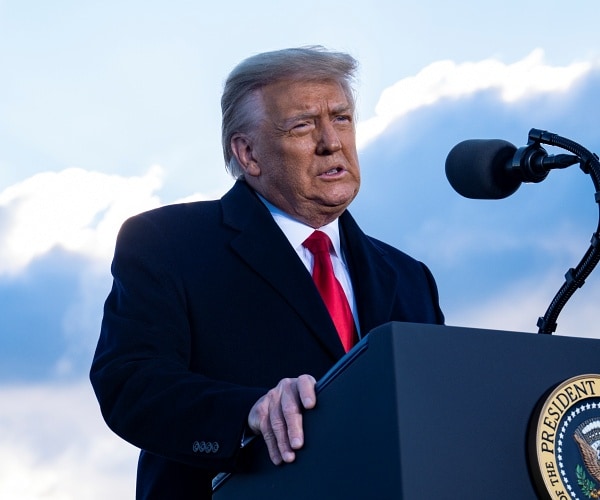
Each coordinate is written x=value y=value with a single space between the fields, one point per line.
x=373 y=280
x=276 y=261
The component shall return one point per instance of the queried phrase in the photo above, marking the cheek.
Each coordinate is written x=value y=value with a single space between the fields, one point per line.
x=283 y=177
x=352 y=156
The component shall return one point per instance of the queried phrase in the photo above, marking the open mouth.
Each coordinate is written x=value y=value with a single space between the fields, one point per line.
x=334 y=171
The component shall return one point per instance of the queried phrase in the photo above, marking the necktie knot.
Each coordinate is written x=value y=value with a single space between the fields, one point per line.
x=318 y=242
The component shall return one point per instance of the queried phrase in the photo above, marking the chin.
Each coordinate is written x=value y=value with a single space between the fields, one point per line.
x=345 y=198
x=338 y=206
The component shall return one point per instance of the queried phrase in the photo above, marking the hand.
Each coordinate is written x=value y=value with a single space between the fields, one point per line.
x=278 y=416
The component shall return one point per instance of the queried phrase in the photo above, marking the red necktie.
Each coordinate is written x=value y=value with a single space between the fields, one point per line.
x=329 y=287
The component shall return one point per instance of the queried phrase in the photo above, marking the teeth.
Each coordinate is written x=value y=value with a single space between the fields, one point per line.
x=332 y=171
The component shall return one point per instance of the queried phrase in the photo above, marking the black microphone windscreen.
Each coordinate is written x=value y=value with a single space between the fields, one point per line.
x=478 y=168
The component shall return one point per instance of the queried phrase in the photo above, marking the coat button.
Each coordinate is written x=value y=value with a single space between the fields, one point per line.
x=205 y=447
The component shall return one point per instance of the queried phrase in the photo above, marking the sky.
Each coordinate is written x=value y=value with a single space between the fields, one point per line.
x=111 y=108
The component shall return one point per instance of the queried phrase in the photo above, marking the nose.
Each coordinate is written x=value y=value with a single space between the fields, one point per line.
x=328 y=141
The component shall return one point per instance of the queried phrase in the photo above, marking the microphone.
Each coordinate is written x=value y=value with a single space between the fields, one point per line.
x=491 y=169
x=494 y=169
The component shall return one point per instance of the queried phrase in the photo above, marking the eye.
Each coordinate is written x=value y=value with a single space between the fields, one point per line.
x=344 y=118
x=302 y=127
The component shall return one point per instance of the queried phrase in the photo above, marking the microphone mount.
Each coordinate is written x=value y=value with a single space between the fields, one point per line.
x=533 y=163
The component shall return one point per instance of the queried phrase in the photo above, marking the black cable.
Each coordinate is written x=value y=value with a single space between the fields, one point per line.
x=575 y=277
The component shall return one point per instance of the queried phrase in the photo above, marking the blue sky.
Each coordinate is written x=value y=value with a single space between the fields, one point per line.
x=110 y=108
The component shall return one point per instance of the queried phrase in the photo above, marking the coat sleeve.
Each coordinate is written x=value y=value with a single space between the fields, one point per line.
x=140 y=372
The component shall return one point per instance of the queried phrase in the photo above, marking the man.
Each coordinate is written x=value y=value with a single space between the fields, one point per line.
x=214 y=327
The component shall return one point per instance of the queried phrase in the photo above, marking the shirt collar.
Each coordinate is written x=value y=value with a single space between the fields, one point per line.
x=296 y=231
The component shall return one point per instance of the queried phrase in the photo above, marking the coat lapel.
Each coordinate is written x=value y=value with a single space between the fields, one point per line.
x=374 y=280
x=264 y=247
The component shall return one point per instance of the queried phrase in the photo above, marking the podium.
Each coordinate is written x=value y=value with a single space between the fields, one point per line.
x=420 y=411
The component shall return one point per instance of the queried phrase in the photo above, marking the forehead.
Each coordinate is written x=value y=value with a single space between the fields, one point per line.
x=288 y=96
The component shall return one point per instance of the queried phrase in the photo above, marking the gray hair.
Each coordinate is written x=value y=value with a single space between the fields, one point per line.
x=239 y=105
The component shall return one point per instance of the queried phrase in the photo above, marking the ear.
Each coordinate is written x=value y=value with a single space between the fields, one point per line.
x=242 y=148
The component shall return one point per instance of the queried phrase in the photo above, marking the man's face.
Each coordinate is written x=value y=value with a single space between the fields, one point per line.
x=303 y=155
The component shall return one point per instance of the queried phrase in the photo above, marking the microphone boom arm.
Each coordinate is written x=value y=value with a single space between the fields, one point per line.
x=575 y=277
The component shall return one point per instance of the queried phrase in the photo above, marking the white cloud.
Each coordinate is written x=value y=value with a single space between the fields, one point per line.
x=54 y=445
x=76 y=209
x=447 y=79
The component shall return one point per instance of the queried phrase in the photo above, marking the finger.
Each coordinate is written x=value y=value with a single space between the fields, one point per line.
x=306 y=391
x=273 y=447
x=259 y=422
x=285 y=408
x=292 y=413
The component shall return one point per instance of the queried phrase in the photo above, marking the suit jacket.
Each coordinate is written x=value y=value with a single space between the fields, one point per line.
x=210 y=307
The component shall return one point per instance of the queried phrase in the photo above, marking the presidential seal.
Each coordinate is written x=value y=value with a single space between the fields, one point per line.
x=564 y=441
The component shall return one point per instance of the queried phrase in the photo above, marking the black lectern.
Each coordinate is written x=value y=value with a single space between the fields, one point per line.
x=421 y=411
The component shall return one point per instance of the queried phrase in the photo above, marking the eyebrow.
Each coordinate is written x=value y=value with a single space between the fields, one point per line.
x=341 y=108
